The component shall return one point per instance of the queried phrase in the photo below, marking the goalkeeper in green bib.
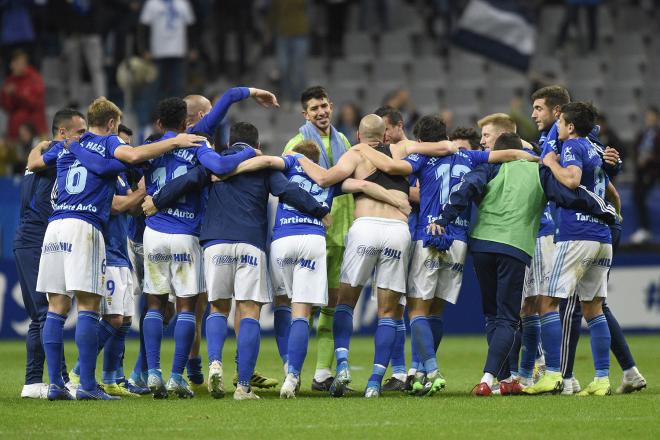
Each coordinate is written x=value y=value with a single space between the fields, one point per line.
x=317 y=111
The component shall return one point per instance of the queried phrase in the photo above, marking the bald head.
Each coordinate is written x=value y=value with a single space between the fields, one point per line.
x=197 y=107
x=372 y=129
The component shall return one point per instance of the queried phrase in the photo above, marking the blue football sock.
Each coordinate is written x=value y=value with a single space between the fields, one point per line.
x=282 y=321
x=87 y=330
x=194 y=369
x=551 y=340
x=342 y=329
x=248 y=349
x=153 y=336
x=398 y=349
x=437 y=328
x=298 y=341
x=619 y=345
x=216 y=333
x=600 y=344
x=106 y=332
x=184 y=335
x=383 y=342
x=422 y=338
x=76 y=368
x=531 y=336
x=53 y=340
x=112 y=354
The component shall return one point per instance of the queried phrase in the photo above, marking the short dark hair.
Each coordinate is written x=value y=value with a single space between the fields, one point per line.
x=389 y=112
x=244 y=132
x=309 y=149
x=314 y=92
x=553 y=95
x=581 y=114
x=430 y=128
x=508 y=141
x=62 y=116
x=172 y=112
x=124 y=129
x=466 y=133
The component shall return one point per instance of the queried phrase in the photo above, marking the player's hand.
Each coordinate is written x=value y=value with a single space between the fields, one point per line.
x=327 y=221
x=550 y=159
x=141 y=185
x=148 y=206
x=435 y=229
x=68 y=142
x=185 y=140
x=611 y=156
x=404 y=206
x=43 y=145
x=264 y=98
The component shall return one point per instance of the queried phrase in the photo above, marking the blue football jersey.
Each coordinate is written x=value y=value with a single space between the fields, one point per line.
x=81 y=193
x=438 y=177
x=116 y=231
x=289 y=220
x=186 y=215
x=575 y=225
x=547 y=224
x=413 y=218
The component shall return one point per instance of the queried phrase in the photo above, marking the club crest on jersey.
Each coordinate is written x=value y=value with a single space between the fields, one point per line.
x=568 y=154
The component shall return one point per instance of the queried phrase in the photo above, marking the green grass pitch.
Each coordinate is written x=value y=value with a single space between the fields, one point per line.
x=453 y=413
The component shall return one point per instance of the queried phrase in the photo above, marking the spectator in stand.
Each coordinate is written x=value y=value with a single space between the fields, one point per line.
x=289 y=21
x=572 y=18
x=22 y=96
x=16 y=28
x=400 y=100
x=609 y=137
x=336 y=14
x=349 y=121
x=647 y=152
x=168 y=21
x=8 y=158
x=233 y=16
x=81 y=23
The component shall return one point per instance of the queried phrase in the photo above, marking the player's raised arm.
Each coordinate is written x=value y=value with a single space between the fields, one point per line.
x=383 y=162
x=377 y=192
x=132 y=155
x=257 y=164
x=36 y=160
x=325 y=178
x=223 y=164
x=94 y=162
x=509 y=155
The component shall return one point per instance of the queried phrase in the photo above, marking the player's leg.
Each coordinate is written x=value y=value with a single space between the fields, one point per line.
x=297 y=348
x=397 y=382
x=36 y=305
x=216 y=334
x=194 y=364
x=421 y=339
x=248 y=343
x=632 y=379
x=510 y=279
x=531 y=338
x=592 y=290
x=570 y=312
x=184 y=334
x=282 y=324
x=53 y=340
x=87 y=330
x=388 y=301
x=137 y=382
x=324 y=339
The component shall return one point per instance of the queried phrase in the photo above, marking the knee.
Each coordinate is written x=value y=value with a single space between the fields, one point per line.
x=548 y=305
x=529 y=307
x=114 y=320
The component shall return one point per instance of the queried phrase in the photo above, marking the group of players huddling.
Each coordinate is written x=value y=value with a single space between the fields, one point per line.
x=181 y=226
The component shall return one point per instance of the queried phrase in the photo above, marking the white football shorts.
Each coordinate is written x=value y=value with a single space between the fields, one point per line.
x=537 y=274
x=119 y=298
x=581 y=267
x=435 y=274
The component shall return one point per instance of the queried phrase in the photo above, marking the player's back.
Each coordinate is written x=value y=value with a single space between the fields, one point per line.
x=574 y=225
x=81 y=193
x=439 y=177
x=185 y=216
x=289 y=220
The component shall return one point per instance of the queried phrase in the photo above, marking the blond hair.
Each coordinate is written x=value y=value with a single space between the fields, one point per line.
x=101 y=110
x=500 y=121
x=309 y=149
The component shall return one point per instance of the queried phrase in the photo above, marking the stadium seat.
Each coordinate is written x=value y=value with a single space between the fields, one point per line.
x=429 y=71
x=375 y=94
x=503 y=76
x=498 y=98
x=358 y=46
x=318 y=71
x=460 y=96
x=586 y=70
x=622 y=98
x=396 y=46
x=349 y=73
x=625 y=73
x=467 y=70
x=389 y=73
x=425 y=98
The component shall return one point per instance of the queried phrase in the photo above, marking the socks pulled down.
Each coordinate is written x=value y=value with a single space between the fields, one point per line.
x=600 y=345
x=184 y=335
x=86 y=337
x=383 y=342
x=53 y=340
x=298 y=341
x=531 y=336
x=248 y=342
x=551 y=340
x=398 y=351
x=194 y=369
x=153 y=336
x=342 y=328
x=216 y=334
x=282 y=323
x=112 y=354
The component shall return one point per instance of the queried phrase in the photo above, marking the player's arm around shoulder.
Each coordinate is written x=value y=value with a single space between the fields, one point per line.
x=568 y=176
x=35 y=161
x=382 y=161
x=257 y=164
x=510 y=155
x=434 y=149
x=344 y=168
x=132 y=155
